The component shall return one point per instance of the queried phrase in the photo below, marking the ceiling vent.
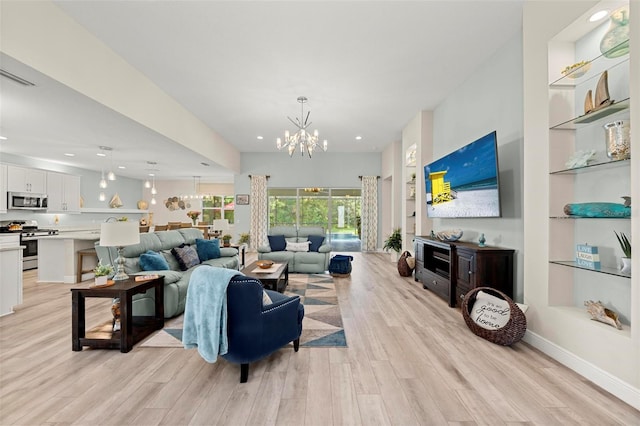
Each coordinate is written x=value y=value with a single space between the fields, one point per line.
x=15 y=78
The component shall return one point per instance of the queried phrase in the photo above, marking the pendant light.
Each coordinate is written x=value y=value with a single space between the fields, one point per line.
x=103 y=181
x=111 y=175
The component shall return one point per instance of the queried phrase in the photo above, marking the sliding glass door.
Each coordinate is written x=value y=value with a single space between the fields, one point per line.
x=336 y=210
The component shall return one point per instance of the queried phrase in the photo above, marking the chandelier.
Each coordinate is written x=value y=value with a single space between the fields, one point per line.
x=302 y=140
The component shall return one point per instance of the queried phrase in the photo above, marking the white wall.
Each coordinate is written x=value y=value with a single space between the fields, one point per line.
x=175 y=188
x=325 y=169
x=491 y=99
x=606 y=357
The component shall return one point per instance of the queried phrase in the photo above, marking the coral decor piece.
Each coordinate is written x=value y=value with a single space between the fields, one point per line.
x=599 y=313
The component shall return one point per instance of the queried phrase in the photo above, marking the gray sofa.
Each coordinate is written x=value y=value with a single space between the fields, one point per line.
x=176 y=281
x=311 y=262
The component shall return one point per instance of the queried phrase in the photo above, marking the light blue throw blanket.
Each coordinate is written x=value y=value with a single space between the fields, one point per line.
x=205 y=312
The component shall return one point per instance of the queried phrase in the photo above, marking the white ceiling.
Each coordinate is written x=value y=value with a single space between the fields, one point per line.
x=367 y=68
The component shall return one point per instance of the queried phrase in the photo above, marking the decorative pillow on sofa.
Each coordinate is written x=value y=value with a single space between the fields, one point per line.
x=153 y=261
x=208 y=249
x=266 y=300
x=277 y=242
x=298 y=246
x=186 y=256
x=171 y=260
x=316 y=241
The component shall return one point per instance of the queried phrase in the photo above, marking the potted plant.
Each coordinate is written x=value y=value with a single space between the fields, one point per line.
x=394 y=242
x=245 y=238
x=625 y=245
x=226 y=238
x=102 y=273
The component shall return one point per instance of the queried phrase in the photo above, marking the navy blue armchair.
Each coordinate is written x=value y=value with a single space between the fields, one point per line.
x=255 y=331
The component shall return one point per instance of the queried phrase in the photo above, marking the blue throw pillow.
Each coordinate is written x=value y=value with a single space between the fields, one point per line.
x=208 y=249
x=186 y=256
x=316 y=242
x=277 y=242
x=152 y=261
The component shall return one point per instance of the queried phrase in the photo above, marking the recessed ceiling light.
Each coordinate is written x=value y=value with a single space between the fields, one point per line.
x=121 y=167
x=152 y=174
x=260 y=138
x=101 y=154
x=358 y=138
x=68 y=154
x=3 y=138
x=598 y=15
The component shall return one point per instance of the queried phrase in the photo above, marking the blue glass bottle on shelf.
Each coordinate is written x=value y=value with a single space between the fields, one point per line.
x=481 y=241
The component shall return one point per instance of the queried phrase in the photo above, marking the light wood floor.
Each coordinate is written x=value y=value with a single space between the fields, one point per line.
x=410 y=360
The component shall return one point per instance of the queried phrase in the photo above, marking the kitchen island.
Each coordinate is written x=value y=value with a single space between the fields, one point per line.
x=11 y=276
x=58 y=255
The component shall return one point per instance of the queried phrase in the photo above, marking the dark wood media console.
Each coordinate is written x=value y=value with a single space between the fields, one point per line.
x=451 y=269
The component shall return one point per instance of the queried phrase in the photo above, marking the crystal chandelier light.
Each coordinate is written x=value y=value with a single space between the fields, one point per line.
x=302 y=140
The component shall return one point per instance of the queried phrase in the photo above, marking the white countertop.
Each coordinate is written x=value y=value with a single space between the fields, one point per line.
x=78 y=235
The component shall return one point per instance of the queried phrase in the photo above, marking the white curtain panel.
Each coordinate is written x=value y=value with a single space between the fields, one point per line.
x=259 y=211
x=369 y=215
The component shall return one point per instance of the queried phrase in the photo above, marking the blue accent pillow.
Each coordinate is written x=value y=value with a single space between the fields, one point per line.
x=208 y=249
x=316 y=242
x=186 y=256
x=277 y=242
x=152 y=261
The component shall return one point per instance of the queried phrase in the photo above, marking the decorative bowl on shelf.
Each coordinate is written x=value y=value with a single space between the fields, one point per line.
x=576 y=70
x=449 y=235
x=264 y=264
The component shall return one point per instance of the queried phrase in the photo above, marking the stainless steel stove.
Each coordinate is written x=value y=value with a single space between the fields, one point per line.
x=29 y=236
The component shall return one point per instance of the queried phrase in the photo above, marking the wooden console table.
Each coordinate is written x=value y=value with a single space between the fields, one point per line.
x=451 y=269
x=132 y=329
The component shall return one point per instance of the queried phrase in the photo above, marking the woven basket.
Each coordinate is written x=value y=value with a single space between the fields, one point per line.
x=512 y=331
x=403 y=267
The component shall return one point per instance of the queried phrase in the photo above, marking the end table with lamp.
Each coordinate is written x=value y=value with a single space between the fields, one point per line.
x=119 y=234
x=219 y=226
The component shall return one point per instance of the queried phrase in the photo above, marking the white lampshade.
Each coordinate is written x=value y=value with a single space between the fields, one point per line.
x=220 y=224
x=119 y=234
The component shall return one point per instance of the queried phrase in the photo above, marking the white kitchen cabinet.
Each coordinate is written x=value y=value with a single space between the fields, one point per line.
x=11 y=276
x=63 y=192
x=3 y=188
x=24 y=179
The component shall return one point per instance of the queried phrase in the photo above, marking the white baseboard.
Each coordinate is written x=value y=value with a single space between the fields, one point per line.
x=608 y=382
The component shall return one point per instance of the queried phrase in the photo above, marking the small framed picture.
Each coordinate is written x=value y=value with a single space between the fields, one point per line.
x=242 y=199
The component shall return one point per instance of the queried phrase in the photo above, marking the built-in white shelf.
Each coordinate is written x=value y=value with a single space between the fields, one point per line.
x=602 y=270
x=114 y=211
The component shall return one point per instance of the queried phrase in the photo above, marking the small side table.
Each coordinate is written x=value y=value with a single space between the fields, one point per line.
x=132 y=329
x=241 y=249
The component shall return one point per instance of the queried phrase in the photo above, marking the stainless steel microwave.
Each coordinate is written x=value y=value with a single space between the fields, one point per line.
x=26 y=201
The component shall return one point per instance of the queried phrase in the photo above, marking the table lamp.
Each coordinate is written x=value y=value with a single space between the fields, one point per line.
x=219 y=226
x=119 y=234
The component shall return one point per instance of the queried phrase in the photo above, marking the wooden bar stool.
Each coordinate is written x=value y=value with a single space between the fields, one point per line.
x=90 y=252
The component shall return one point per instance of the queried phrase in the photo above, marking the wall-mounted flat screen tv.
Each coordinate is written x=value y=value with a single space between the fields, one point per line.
x=465 y=182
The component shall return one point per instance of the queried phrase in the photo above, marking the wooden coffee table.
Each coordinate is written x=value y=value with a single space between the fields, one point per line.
x=277 y=278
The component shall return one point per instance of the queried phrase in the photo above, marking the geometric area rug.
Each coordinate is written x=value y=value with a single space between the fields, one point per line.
x=321 y=326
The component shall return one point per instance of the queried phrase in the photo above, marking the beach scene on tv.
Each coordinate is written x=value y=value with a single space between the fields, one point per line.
x=465 y=182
